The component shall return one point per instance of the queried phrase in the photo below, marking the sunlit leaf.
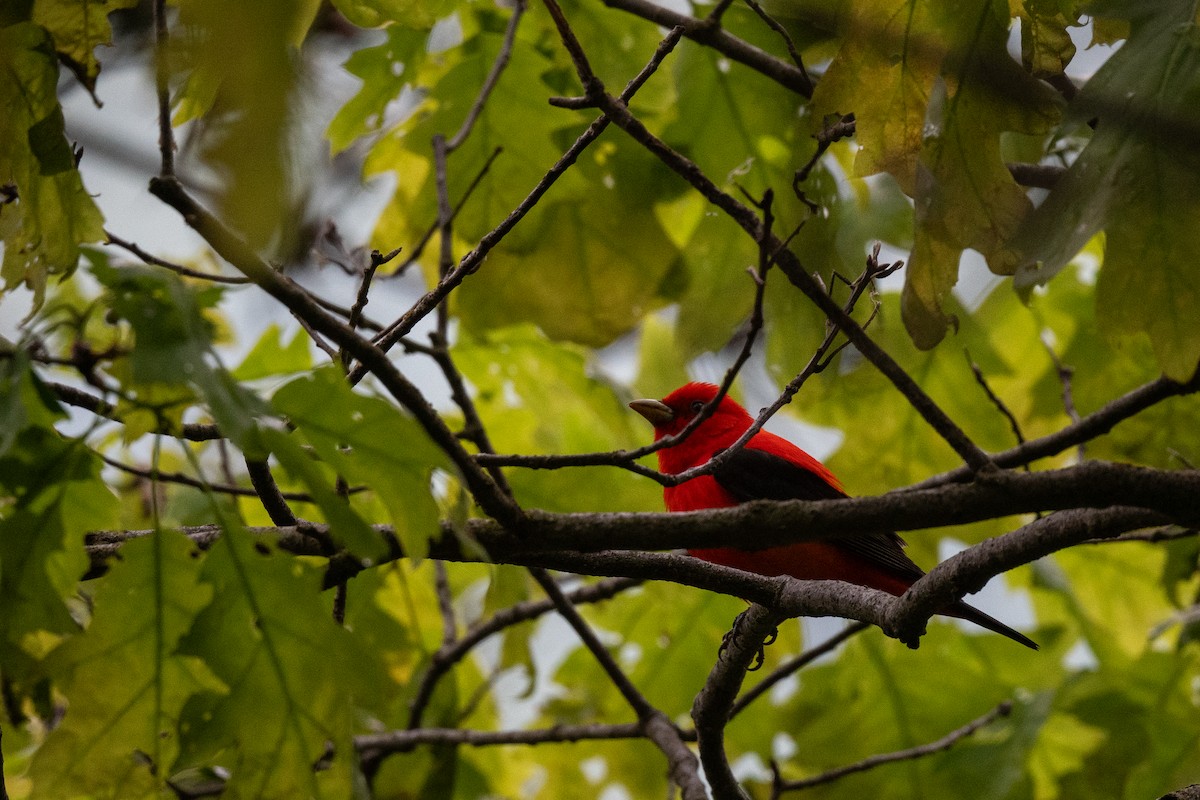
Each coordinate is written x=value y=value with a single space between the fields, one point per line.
x=270 y=356
x=78 y=29
x=387 y=450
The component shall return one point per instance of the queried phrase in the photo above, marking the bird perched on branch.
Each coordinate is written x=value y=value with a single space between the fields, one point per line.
x=770 y=467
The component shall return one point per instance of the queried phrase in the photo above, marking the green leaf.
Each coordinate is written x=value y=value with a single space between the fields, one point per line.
x=242 y=82
x=535 y=396
x=173 y=336
x=388 y=451
x=292 y=675
x=78 y=29
x=173 y=349
x=42 y=231
x=592 y=275
x=347 y=527
x=406 y=13
x=385 y=71
x=125 y=685
x=270 y=356
x=1136 y=181
x=56 y=497
x=24 y=400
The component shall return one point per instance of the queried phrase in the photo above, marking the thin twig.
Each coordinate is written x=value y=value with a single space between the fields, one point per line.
x=322 y=344
x=445 y=227
x=776 y=26
x=1000 y=405
x=268 y=492
x=191 y=431
x=362 y=298
x=493 y=77
x=441 y=584
x=377 y=744
x=473 y=260
x=1169 y=533
x=217 y=488
x=450 y=653
x=654 y=724
x=166 y=136
x=419 y=247
x=720 y=40
x=945 y=743
x=1090 y=427
x=179 y=269
x=1066 y=375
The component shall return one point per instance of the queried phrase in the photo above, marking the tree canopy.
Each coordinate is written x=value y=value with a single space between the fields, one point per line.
x=406 y=540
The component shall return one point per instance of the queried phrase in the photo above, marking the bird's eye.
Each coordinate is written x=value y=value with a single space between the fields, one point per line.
x=697 y=406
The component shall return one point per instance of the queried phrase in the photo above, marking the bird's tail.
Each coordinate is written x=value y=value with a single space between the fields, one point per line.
x=972 y=614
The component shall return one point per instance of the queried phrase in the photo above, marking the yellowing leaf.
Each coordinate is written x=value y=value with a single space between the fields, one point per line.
x=966 y=197
x=78 y=28
x=54 y=214
x=883 y=73
x=590 y=275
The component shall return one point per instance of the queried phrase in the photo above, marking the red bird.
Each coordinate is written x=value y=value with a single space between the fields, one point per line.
x=772 y=468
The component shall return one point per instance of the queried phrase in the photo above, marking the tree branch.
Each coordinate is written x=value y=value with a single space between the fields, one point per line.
x=713 y=705
x=655 y=725
x=472 y=261
x=705 y=33
x=1093 y=425
x=940 y=745
x=494 y=502
x=617 y=111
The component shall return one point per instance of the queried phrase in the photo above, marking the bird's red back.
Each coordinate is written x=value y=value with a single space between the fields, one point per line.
x=727 y=423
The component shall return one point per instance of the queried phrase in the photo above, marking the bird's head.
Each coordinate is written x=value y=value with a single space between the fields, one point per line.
x=671 y=414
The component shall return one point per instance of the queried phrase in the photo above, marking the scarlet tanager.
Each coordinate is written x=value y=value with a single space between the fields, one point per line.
x=770 y=467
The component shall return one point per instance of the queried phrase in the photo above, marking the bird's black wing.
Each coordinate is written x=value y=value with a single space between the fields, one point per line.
x=758 y=475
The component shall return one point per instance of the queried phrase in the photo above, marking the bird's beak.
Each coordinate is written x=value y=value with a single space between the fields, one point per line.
x=656 y=412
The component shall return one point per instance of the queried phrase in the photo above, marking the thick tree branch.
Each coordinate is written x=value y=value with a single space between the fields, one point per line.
x=969 y=570
x=794 y=665
x=1168 y=494
x=713 y=705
